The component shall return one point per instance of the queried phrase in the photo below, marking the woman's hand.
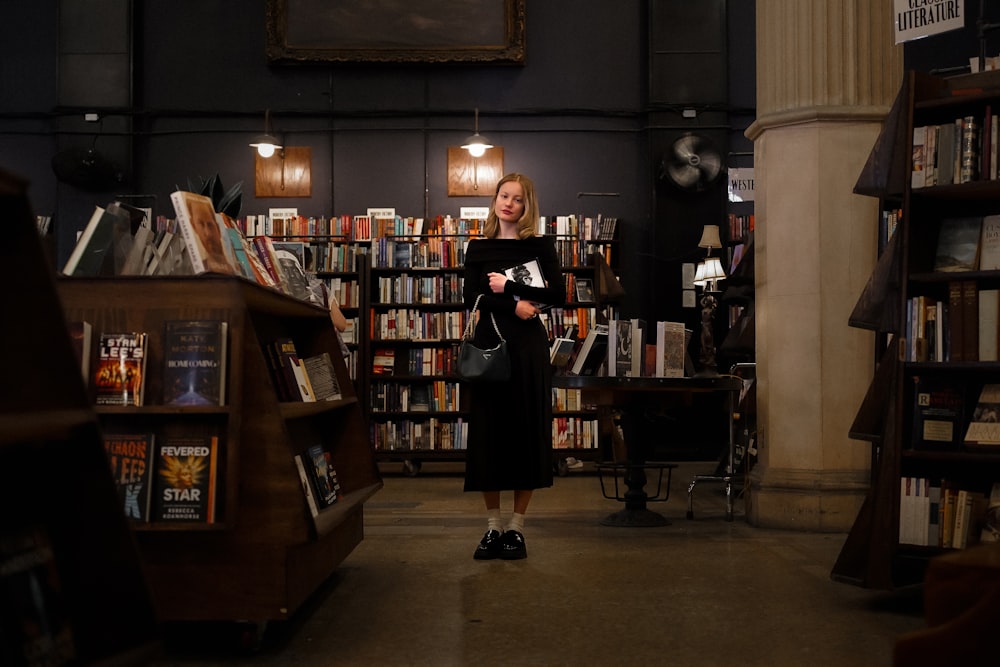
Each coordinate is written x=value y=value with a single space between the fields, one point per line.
x=497 y=282
x=525 y=309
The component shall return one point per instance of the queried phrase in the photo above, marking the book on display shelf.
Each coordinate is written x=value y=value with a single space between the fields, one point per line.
x=186 y=479
x=324 y=477
x=202 y=233
x=94 y=252
x=323 y=377
x=120 y=376
x=130 y=456
x=984 y=428
x=194 y=362
x=593 y=352
x=81 y=334
x=958 y=244
x=670 y=349
x=937 y=413
x=307 y=485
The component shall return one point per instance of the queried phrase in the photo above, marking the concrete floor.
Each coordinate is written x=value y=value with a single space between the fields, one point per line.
x=695 y=592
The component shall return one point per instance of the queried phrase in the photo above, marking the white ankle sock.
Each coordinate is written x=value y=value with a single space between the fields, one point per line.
x=516 y=522
x=494 y=522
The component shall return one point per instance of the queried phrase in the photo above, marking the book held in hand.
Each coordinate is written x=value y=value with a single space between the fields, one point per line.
x=130 y=456
x=194 y=362
x=186 y=479
x=120 y=376
x=527 y=273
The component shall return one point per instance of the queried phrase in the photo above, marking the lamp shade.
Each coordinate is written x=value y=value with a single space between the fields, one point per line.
x=477 y=144
x=710 y=237
x=709 y=273
x=266 y=143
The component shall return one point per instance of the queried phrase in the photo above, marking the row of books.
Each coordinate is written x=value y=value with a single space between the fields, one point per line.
x=429 y=434
x=946 y=418
x=619 y=349
x=413 y=324
x=435 y=252
x=574 y=432
x=287 y=223
x=966 y=327
x=961 y=151
x=319 y=479
x=567 y=400
x=587 y=228
x=407 y=288
x=436 y=396
x=297 y=378
x=935 y=513
x=165 y=478
x=740 y=226
x=194 y=356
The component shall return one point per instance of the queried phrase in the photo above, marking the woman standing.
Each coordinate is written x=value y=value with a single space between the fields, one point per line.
x=510 y=429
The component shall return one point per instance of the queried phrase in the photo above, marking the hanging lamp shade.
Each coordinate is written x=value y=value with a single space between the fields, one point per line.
x=477 y=144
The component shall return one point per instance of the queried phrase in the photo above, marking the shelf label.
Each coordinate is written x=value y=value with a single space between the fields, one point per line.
x=914 y=20
x=474 y=212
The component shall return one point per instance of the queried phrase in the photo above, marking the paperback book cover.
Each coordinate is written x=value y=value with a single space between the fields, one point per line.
x=984 y=429
x=202 y=233
x=186 y=479
x=307 y=486
x=130 y=456
x=324 y=477
x=937 y=413
x=194 y=362
x=958 y=244
x=593 y=352
x=120 y=376
x=670 y=349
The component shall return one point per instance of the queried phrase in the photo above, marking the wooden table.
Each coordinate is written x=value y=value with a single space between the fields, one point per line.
x=630 y=394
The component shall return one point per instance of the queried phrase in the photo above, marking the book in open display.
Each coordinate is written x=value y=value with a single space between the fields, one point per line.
x=670 y=349
x=984 y=428
x=593 y=353
x=194 y=362
x=937 y=413
x=958 y=244
x=130 y=456
x=120 y=376
x=202 y=233
x=186 y=478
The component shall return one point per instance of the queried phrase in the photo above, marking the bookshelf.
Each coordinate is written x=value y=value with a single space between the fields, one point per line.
x=266 y=553
x=879 y=553
x=62 y=531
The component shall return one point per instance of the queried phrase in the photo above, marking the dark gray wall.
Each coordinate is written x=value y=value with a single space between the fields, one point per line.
x=575 y=117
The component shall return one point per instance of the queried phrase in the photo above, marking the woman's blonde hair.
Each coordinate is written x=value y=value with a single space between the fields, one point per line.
x=528 y=224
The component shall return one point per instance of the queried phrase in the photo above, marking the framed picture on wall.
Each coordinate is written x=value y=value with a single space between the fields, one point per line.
x=490 y=31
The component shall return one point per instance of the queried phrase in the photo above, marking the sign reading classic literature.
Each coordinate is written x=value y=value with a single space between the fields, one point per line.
x=920 y=18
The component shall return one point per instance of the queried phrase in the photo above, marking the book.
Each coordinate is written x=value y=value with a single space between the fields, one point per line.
x=620 y=348
x=918 y=163
x=958 y=244
x=324 y=476
x=36 y=627
x=989 y=317
x=384 y=360
x=322 y=377
x=937 y=412
x=302 y=381
x=584 y=290
x=307 y=487
x=194 y=362
x=130 y=456
x=593 y=352
x=970 y=323
x=527 y=273
x=289 y=371
x=984 y=428
x=200 y=229
x=990 y=532
x=561 y=352
x=120 y=375
x=81 y=335
x=295 y=281
x=186 y=479
x=93 y=254
x=989 y=244
x=670 y=349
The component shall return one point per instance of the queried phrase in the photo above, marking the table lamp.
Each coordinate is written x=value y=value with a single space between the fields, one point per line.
x=708 y=275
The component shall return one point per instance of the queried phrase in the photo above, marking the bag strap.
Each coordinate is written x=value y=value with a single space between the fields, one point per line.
x=467 y=335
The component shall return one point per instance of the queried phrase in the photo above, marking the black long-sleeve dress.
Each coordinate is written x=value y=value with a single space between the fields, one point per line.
x=510 y=428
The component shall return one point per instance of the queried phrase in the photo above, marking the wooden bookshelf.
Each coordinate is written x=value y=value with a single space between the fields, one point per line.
x=265 y=554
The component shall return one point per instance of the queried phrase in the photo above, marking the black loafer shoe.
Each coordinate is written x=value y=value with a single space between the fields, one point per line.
x=512 y=546
x=489 y=547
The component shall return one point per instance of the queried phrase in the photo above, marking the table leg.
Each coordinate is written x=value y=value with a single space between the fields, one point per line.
x=635 y=514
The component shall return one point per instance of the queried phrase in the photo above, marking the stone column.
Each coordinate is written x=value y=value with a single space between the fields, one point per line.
x=827 y=73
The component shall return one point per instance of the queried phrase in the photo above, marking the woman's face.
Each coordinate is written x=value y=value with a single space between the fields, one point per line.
x=509 y=204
